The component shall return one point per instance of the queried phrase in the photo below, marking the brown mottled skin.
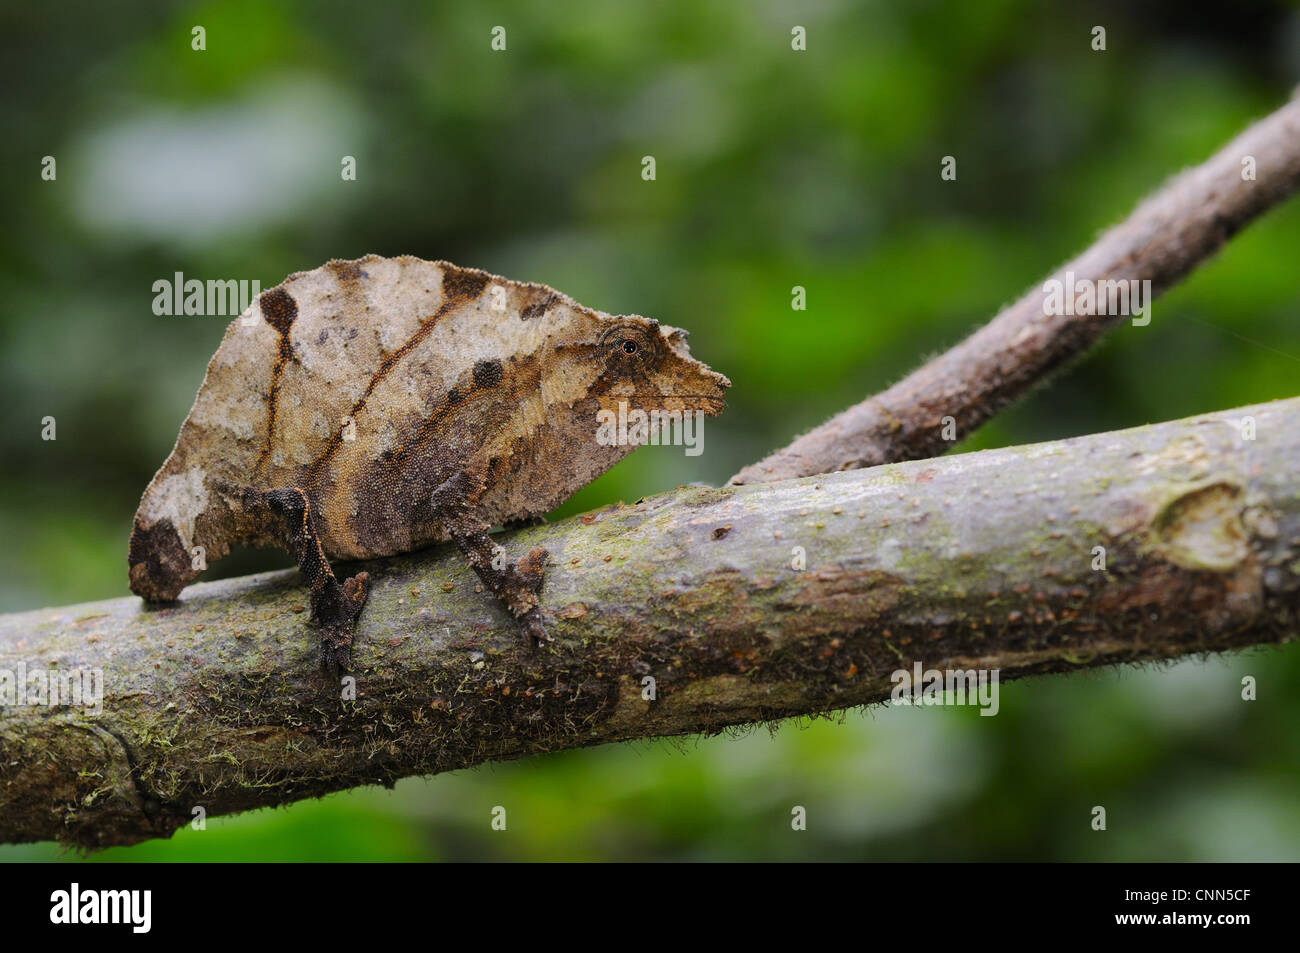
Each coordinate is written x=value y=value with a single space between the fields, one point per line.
x=372 y=407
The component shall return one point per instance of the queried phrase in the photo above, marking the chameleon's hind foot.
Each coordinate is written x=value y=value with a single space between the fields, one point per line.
x=334 y=605
x=337 y=615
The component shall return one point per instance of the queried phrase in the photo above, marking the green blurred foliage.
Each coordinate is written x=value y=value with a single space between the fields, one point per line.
x=775 y=169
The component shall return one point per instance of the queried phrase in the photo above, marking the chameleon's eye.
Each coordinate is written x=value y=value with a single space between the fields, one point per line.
x=628 y=347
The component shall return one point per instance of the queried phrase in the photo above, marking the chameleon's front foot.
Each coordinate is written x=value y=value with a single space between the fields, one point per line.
x=518 y=585
x=524 y=593
x=338 y=620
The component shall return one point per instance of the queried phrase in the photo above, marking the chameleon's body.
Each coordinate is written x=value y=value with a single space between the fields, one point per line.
x=371 y=407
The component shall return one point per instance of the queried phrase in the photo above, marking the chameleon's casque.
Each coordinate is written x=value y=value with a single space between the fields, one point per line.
x=370 y=407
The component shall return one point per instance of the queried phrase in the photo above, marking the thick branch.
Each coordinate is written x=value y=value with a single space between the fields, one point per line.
x=1163 y=239
x=981 y=560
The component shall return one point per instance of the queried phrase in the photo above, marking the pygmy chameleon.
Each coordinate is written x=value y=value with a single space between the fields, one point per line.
x=372 y=407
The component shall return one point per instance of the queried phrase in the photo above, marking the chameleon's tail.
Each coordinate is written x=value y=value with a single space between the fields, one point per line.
x=160 y=565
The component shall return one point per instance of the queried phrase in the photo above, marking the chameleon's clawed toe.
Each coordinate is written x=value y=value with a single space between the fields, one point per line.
x=357 y=590
x=335 y=652
x=534 y=632
x=532 y=569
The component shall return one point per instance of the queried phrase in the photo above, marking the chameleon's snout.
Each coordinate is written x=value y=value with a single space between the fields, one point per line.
x=698 y=385
x=160 y=565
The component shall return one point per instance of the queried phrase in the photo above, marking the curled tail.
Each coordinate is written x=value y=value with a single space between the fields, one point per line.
x=160 y=563
x=164 y=554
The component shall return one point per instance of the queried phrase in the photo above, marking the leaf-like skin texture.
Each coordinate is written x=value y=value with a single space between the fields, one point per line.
x=367 y=385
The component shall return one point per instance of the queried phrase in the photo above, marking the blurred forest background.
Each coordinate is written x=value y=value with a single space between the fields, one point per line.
x=775 y=168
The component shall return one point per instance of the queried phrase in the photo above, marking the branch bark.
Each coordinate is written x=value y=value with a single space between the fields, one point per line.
x=1167 y=236
x=981 y=560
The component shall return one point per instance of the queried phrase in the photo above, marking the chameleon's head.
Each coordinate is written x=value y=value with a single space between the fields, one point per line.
x=648 y=366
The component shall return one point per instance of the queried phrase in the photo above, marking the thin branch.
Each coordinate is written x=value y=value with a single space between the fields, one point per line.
x=1167 y=236
x=974 y=561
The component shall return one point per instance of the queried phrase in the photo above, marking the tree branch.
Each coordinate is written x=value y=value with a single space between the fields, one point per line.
x=1167 y=236
x=981 y=560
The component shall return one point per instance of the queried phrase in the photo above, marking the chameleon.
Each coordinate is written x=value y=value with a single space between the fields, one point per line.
x=372 y=407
